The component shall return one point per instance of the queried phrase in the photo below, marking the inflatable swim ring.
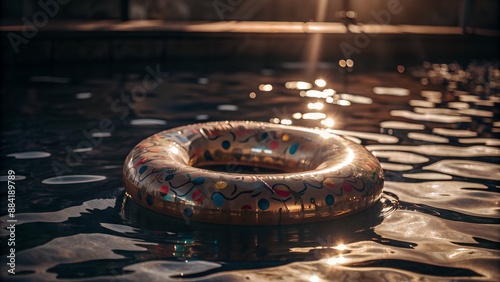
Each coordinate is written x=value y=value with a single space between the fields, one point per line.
x=323 y=175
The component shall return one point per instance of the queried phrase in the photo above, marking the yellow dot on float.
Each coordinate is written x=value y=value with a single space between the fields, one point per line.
x=220 y=185
x=285 y=137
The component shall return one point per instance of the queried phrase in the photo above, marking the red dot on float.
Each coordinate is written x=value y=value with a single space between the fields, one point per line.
x=197 y=196
x=282 y=193
x=246 y=207
x=347 y=187
x=164 y=189
x=274 y=144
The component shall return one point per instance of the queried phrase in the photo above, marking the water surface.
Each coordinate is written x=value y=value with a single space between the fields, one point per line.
x=436 y=137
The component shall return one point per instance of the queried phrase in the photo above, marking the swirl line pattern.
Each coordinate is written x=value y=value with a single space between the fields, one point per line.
x=324 y=175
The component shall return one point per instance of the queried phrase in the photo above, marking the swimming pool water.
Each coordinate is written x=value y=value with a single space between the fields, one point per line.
x=66 y=132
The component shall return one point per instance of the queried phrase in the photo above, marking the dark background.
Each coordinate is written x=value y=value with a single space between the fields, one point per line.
x=92 y=30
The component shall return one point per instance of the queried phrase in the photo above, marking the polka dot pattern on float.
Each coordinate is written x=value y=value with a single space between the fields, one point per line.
x=226 y=145
x=294 y=148
x=217 y=199
x=164 y=190
x=160 y=168
x=220 y=185
x=197 y=196
x=263 y=204
x=149 y=200
x=273 y=145
x=329 y=200
x=198 y=181
x=281 y=191
x=208 y=156
x=347 y=187
x=264 y=136
x=246 y=207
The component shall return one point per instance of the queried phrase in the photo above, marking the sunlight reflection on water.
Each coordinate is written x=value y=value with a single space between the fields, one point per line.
x=438 y=216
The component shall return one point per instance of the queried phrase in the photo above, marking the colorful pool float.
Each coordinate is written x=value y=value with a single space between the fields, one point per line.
x=324 y=176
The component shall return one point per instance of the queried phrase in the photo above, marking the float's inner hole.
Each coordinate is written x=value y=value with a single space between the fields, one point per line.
x=261 y=152
x=240 y=168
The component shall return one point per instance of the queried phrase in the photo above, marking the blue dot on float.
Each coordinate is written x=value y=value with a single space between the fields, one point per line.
x=294 y=148
x=188 y=212
x=139 y=195
x=207 y=156
x=329 y=199
x=263 y=204
x=264 y=136
x=217 y=199
x=198 y=180
x=143 y=169
x=149 y=200
x=226 y=144
x=369 y=185
x=169 y=177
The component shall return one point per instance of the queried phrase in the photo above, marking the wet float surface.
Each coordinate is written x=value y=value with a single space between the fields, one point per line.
x=66 y=138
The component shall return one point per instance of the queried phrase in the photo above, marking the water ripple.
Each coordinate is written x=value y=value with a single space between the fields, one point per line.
x=427 y=137
x=428 y=175
x=454 y=132
x=429 y=117
x=400 y=157
x=148 y=121
x=458 y=105
x=430 y=230
x=448 y=195
x=402 y=125
x=68 y=250
x=227 y=107
x=486 y=141
x=29 y=155
x=172 y=269
x=476 y=112
x=421 y=103
x=435 y=111
x=395 y=167
x=124 y=229
x=5 y=178
x=64 y=214
x=440 y=150
x=83 y=95
x=466 y=168
x=73 y=179
x=394 y=91
x=381 y=138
